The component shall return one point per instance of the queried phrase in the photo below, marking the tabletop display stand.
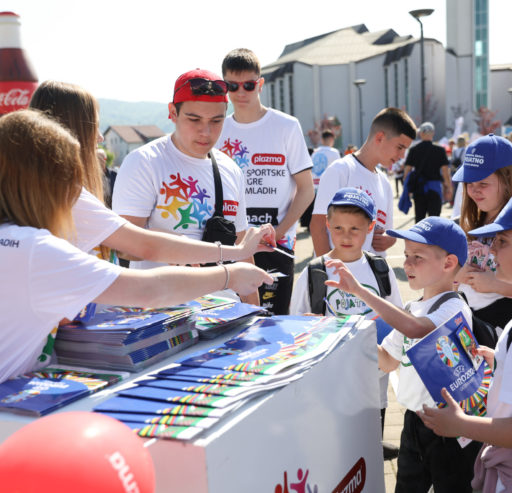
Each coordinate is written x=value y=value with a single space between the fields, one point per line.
x=318 y=434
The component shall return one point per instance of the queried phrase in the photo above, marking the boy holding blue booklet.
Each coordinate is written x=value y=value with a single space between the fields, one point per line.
x=493 y=467
x=351 y=217
x=435 y=250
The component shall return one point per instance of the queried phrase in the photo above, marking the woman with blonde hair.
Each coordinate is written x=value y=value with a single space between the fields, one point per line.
x=44 y=277
x=486 y=175
x=95 y=224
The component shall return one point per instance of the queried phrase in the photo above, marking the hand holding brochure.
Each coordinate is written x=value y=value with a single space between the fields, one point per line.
x=447 y=358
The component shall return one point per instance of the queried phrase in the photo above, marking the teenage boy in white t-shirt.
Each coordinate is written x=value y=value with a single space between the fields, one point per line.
x=494 y=464
x=269 y=148
x=168 y=184
x=435 y=249
x=350 y=218
x=391 y=133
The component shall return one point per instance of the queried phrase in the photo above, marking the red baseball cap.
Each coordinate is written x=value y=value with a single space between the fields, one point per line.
x=183 y=91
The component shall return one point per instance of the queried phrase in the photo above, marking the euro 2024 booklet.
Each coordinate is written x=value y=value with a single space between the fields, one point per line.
x=447 y=358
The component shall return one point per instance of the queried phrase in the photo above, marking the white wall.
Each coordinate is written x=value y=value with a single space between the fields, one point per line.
x=501 y=100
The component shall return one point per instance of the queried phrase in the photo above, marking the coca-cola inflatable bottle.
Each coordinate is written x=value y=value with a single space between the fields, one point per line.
x=18 y=79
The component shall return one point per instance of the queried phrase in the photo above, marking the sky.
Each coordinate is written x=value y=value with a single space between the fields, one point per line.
x=134 y=51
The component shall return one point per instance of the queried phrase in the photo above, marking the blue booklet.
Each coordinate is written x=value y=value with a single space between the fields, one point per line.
x=39 y=393
x=447 y=358
x=126 y=404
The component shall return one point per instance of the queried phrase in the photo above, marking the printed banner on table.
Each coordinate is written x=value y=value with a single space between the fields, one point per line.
x=447 y=358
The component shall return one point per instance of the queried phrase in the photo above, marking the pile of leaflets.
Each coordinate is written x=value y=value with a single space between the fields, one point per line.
x=126 y=339
x=40 y=392
x=184 y=399
x=214 y=321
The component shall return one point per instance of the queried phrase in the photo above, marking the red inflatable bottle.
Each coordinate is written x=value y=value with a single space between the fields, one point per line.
x=18 y=79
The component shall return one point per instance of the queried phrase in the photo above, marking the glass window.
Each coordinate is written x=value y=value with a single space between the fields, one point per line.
x=386 y=87
x=281 y=94
x=290 y=93
x=395 y=73
x=272 y=95
x=406 y=83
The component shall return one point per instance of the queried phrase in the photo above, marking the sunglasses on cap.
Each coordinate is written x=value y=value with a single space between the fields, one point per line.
x=200 y=86
x=248 y=85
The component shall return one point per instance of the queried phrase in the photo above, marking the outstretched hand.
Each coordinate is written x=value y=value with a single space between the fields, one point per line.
x=447 y=421
x=261 y=239
x=245 y=278
x=347 y=282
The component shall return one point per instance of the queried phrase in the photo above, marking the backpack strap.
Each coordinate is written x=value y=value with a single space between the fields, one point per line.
x=380 y=269
x=317 y=276
x=442 y=299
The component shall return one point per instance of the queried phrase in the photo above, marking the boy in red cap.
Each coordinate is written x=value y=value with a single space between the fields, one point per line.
x=168 y=184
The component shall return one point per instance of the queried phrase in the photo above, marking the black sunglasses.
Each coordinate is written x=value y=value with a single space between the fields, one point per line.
x=200 y=86
x=248 y=85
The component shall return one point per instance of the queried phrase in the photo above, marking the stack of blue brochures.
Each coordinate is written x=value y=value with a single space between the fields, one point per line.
x=127 y=340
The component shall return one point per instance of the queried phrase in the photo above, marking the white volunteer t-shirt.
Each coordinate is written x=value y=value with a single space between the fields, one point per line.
x=344 y=303
x=499 y=399
x=93 y=222
x=322 y=158
x=268 y=151
x=412 y=394
x=349 y=172
x=44 y=279
x=176 y=191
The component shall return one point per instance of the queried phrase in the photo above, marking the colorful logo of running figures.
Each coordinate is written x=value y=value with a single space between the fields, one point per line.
x=237 y=152
x=447 y=351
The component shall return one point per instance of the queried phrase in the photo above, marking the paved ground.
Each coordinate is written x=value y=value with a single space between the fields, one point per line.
x=395 y=412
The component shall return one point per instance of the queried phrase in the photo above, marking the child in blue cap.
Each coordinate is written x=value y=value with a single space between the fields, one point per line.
x=435 y=250
x=493 y=467
x=486 y=175
x=351 y=216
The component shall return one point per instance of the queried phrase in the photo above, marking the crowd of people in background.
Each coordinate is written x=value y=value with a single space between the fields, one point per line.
x=232 y=189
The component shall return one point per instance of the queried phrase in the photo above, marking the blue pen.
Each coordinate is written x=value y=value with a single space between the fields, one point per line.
x=329 y=308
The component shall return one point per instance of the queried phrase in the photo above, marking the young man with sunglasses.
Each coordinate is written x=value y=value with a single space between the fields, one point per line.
x=168 y=184
x=269 y=148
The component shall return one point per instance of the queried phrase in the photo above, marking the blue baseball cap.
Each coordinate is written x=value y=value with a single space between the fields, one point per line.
x=483 y=157
x=503 y=222
x=354 y=196
x=437 y=231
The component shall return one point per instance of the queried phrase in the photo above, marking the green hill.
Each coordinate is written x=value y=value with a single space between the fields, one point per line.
x=113 y=112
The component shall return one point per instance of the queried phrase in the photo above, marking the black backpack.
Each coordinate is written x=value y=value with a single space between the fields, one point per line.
x=317 y=277
x=484 y=332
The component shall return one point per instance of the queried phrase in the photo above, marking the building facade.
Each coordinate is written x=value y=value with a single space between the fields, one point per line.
x=123 y=139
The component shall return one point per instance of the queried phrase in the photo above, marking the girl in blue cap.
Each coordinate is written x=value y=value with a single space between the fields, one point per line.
x=487 y=178
x=493 y=467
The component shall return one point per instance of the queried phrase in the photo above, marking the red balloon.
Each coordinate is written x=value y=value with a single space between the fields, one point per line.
x=75 y=452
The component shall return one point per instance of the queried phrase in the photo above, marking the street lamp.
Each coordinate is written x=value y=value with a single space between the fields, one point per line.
x=418 y=14
x=358 y=83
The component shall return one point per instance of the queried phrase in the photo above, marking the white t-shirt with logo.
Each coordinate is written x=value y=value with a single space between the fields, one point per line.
x=176 y=191
x=341 y=302
x=349 y=172
x=268 y=151
x=322 y=158
x=412 y=394
x=44 y=279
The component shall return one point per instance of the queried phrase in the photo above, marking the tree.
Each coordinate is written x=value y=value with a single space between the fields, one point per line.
x=326 y=123
x=484 y=121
